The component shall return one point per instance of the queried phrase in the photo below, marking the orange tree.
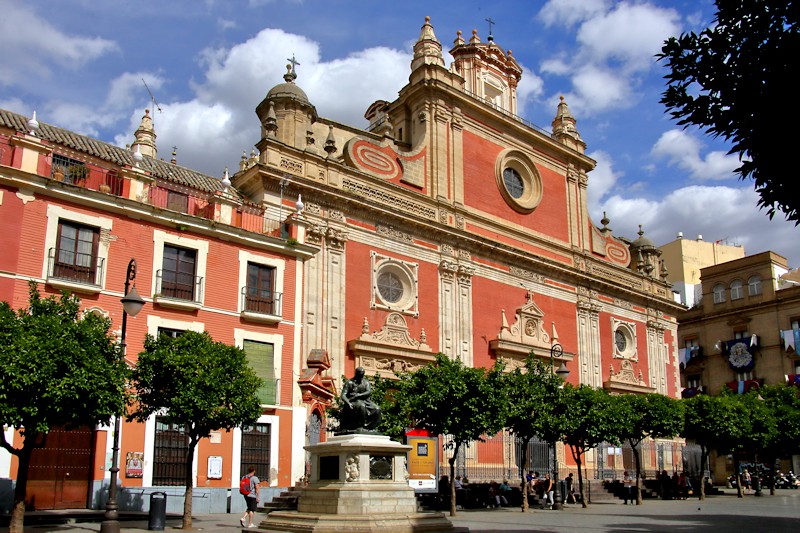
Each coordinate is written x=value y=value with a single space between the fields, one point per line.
x=199 y=384
x=647 y=415
x=590 y=418
x=446 y=397
x=61 y=367
x=533 y=409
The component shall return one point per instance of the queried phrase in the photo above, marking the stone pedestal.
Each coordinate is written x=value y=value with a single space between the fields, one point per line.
x=357 y=484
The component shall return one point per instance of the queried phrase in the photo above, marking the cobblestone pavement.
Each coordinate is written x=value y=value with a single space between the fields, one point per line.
x=772 y=514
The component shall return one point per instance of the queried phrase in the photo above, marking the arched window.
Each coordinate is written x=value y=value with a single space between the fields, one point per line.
x=754 y=285
x=736 y=290
x=719 y=293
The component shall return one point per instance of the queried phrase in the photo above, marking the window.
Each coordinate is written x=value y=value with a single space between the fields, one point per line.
x=624 y=339
x=261 y=356
x=178 y=273
x=177 y=201
x=169 y=453
x=394 y=285
x=744 y=376
x=260 y=296
x=693 y=382
x=795 y=323
x=518 y=180
x=256 y=450
x=719 y=293
x=514 y=184
x=75 y=255
x=742 y=334
x=75 y=250
x=754 y=285
x=736 y=290
x=169 y=332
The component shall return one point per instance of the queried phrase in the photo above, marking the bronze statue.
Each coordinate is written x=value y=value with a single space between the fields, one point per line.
x=359 y=412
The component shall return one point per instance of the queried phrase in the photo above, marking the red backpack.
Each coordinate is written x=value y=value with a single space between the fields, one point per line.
x=244 y=486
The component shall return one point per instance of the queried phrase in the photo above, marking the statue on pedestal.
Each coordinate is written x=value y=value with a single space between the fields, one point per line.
x=359 y=413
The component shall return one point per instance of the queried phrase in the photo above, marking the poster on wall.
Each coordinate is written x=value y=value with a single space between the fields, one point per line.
x=134 y=464
x=215 y=467
x=423 y=461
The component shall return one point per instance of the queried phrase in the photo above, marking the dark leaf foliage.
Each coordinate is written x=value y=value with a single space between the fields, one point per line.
x=735 y=80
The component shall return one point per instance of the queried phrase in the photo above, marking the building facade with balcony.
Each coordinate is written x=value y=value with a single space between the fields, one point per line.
x=448 y=225
x=744 y=331
x=74 y=211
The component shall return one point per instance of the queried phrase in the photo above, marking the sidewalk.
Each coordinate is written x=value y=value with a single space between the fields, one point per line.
x=775 y=514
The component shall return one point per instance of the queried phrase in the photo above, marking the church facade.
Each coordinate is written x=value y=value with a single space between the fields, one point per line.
x=448 y=225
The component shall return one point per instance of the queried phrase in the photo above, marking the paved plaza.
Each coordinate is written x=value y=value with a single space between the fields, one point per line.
x=726 y=512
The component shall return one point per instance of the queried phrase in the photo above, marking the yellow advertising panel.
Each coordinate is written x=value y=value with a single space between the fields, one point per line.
x=423 y=463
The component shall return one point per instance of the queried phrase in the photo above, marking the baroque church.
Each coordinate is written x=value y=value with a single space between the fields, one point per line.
x=450 y=224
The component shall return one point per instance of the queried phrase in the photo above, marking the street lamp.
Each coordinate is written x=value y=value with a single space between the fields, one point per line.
x=556 y=350
x=132 y=303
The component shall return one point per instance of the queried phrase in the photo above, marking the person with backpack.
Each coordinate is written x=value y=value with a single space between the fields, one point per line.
x=248 y=487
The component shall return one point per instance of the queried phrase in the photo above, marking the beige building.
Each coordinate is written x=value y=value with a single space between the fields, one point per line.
x=685 y=257
x=744 y=332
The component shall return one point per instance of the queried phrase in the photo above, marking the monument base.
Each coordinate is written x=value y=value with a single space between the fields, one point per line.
x=357 y=484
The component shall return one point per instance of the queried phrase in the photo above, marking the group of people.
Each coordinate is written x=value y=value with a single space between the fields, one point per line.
x=544 y=488
x=676 y=487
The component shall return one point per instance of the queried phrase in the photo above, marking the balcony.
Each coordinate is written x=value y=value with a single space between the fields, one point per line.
x=178 y=291
x=74 y=271
x=261 y=306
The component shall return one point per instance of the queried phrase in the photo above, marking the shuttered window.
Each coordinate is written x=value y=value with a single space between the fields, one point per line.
x=261 y=356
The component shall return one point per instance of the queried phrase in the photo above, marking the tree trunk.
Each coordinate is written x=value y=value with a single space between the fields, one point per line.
x=452 y=462
x=17 y=523
x=524 y=487
x=703 y=463
x=638 y=462
x=739 y=493
x=187 y=499
x=577 y=453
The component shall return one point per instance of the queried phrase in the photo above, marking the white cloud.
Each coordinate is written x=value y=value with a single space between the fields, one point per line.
x=630 y=34
x=683 y=151
x=601 y=180
x=213 y=127
x=33 y=47
x=567 y=13
x=717 y=213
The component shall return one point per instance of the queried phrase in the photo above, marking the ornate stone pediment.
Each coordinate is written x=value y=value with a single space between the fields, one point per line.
x=527 y=334
x=626 y=380
x=390 y=349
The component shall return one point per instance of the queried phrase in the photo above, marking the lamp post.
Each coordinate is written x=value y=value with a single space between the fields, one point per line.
x=132 y=303
x=556 y=350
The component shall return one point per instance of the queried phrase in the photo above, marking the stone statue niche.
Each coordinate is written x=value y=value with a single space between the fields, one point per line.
x=359 y=413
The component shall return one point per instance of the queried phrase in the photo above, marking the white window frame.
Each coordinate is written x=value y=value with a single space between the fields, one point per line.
x=274 y=440
x=628 y=330
x=737 y=290
x=278 y=264
x=56 y=214
x=160 y=238
x=240 y=335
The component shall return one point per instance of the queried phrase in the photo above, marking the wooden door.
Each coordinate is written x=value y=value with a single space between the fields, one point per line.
x=60 y=473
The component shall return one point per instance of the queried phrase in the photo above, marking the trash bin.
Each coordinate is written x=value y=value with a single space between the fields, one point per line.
x=158 y=511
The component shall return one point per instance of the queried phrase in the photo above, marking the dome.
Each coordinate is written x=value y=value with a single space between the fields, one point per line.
x=288 y=90
x=642 y=243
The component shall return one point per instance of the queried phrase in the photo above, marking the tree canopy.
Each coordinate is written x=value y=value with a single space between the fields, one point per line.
x=198 y=383
x=447 y=398
x=647 y=416
x=590 y=418
x=534 y=408
x=732 y=81
x=61 y=367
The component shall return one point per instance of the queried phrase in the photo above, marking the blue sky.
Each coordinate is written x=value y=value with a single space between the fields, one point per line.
x=80 y=65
